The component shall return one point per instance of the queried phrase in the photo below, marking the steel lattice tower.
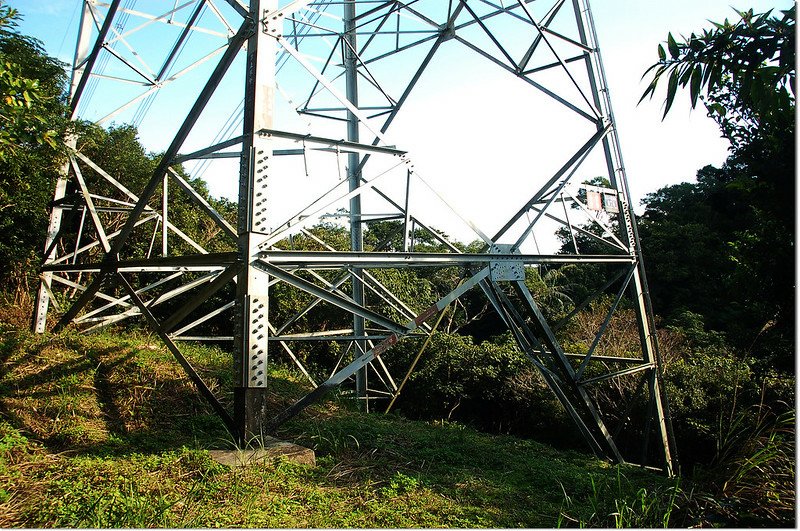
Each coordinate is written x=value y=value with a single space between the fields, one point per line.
x=345 y=69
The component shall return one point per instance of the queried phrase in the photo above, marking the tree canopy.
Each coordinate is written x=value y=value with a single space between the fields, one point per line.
x=743 y=71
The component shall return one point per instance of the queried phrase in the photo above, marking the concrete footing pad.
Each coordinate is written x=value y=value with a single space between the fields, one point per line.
x=268 y=450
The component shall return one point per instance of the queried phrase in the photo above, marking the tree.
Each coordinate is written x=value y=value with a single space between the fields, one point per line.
x=30 y=89
x=724 y=247
x=744 y=72
x=32 y=119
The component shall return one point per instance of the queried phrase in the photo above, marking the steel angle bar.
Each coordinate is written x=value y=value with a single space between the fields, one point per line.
x=203 y=338
x=208 y=90
x=527 y=340
x=105 y=321
x=147 y=77
x=491 y=37
x=486 y=287
x=606 y=321
x=583 y=231
x=338 y=282
x=588 y=146
x=158 y=299
x=150 y=19
x=204 y=205
x=187 y=367
x=194 y=65
x=206 y=151
x=595 y=219
x=392 y=385
x=327 y=296
x=46 y=284
x=527 y=79
x=616 y=374
x=93 y=244
x=552 y=197
x=396 y=259
x=122 y=301
x=211 y=260
x=548 y=66
x=604 y=359
x=399 y=389
x=552 y=345
x=126 y=105
x=499 y=10
x=55 y=238
x=200 y=320
x=328 y=337
x=135 y=198
x=343 y=374
x=438 y=237
x=561 y=61
x=344 y=146
x=584 y=303
x=291 y=354
x=81 y=287
x=335 y=284
x=173 y=53
x=215 y=285
x=392 y=296
x=546 y=21
x=460 y=216
x=290 y=228
x=333 y=90
x=92 y=58
x=98 y=225
x=326 y=283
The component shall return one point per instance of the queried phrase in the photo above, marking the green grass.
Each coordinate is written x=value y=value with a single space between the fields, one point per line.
x=105 y=431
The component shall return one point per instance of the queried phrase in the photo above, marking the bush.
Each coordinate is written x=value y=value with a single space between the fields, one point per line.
x=490 y=385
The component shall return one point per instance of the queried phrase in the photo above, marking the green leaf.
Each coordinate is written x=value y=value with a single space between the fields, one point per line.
x=673 y=46
x=694 y=88
x=662 y=55
x=672 y=88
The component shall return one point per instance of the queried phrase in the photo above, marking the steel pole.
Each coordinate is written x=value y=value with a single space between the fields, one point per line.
x=252 y=293
x=354 y=181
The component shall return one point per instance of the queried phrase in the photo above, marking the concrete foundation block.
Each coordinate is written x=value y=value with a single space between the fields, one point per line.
x=269 y=449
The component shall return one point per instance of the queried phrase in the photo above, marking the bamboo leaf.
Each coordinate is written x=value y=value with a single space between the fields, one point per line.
x=694 y=89
x=672 y=88
x=673 y=46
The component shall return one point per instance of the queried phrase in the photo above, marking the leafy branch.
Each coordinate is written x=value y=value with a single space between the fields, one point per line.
x=748 y=65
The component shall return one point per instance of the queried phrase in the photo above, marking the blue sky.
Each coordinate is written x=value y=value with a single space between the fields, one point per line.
x=628 y=32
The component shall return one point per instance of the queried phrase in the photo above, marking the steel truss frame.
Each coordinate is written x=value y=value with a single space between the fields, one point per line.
x=336 y=50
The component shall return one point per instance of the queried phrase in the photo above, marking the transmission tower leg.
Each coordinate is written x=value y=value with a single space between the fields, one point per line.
x=354 y=178
x=78 y=64
x=619 y=181
x=252 y=296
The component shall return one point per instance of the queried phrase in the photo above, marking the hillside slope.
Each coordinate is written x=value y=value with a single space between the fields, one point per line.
x=105 y=431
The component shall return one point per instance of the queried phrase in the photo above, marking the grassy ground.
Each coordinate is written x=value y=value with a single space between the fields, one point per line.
x=105 y=431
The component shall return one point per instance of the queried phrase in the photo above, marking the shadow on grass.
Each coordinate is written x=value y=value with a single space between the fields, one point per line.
x=90 y=398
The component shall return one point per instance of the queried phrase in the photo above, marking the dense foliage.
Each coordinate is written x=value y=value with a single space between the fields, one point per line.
x=719 y=251
x=32 y=117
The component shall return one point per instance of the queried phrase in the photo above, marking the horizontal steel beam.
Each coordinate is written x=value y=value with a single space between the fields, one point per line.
x=343 y=145
x=327 y=259
x=196 y=262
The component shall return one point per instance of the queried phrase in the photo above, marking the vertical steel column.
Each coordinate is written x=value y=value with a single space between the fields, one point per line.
x=354 y=181
x=619 y=181
x=252 y=297
x=78 y=67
